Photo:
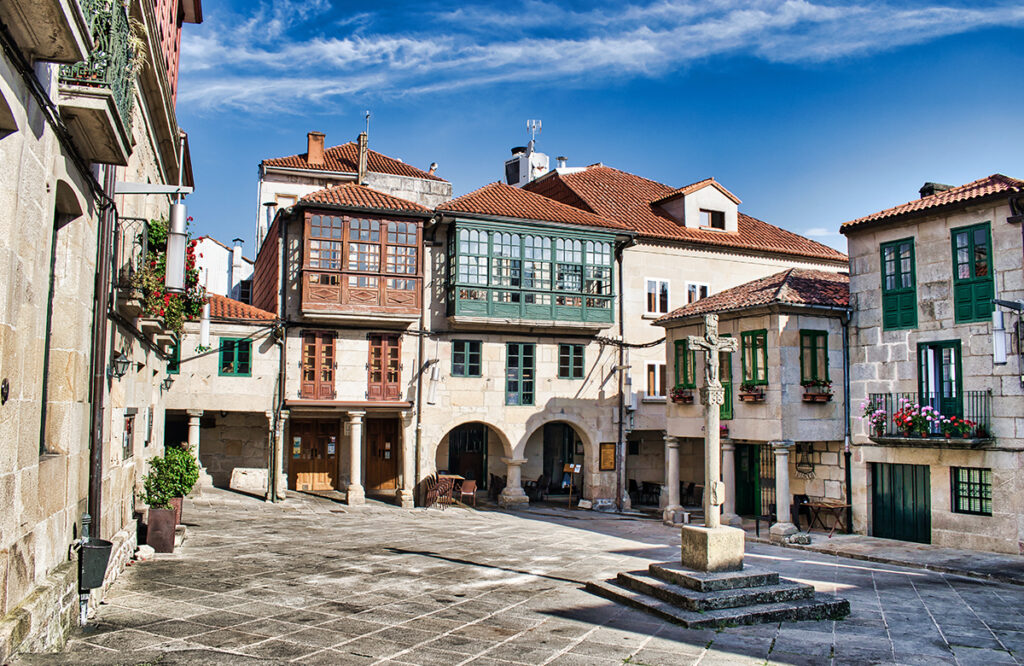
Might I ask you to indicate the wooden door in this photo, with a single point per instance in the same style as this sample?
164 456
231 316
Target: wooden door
318 365
384 371
901 502
314 452
383 443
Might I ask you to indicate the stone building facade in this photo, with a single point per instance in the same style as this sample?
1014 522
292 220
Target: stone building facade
784 391
922 279
73 438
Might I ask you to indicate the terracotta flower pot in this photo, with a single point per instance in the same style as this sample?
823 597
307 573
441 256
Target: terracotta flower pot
176 503
160 530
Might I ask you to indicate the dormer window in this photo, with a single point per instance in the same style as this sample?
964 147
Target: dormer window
712 219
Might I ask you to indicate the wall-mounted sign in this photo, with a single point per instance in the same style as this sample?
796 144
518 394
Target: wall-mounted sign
330 446
296 447
607 459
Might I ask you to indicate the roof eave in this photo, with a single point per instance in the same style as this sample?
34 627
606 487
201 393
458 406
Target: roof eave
365 209
759 308
562 225
925 212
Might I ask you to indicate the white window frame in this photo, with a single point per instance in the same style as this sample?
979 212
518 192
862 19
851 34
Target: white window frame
668 295
659 379
698 285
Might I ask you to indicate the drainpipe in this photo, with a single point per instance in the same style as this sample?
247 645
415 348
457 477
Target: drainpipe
282 234
424 296
101 303
620 446
847 455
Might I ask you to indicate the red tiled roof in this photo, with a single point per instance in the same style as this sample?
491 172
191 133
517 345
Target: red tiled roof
507 201
351 195
997 183
222 307
693 187
630 199
796 286
345 158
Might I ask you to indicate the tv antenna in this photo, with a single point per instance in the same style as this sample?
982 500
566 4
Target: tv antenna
534 128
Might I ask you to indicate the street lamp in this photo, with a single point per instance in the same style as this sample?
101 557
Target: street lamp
174 281
119 365
166 384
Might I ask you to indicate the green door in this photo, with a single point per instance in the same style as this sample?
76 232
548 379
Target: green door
901 502
748 481
939 376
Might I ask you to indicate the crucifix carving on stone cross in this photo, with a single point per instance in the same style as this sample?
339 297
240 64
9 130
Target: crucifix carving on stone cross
712 396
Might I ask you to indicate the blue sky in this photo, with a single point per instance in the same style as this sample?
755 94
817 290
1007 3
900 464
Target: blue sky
812 112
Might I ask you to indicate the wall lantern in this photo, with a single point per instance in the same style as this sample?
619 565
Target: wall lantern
166 383
119 365
174 281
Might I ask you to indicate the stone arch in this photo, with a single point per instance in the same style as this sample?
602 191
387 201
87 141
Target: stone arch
465 456
540 420
531 450
506 443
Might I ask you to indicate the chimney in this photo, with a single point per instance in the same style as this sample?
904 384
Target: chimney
563 161
433 168
236 266
928 189
315 148
361 176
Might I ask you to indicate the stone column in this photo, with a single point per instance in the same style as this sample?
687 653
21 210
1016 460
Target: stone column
205 480
513 493
729 516
782 527
355 446
281 456
407 493
672 480
271 451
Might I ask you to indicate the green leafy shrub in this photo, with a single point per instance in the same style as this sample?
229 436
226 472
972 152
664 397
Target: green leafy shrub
157 486
182 470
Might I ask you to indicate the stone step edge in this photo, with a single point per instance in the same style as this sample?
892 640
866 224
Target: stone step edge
703 582
644 583
818 608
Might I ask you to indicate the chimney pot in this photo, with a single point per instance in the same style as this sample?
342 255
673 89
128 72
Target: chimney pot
361 165
315 148
563 161
433 168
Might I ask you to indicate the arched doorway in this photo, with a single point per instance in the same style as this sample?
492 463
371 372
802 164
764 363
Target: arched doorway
473 451
548 450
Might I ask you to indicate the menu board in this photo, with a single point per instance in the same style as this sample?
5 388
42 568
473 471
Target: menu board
607 461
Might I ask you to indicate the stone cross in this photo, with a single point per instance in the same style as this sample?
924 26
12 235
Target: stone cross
712 396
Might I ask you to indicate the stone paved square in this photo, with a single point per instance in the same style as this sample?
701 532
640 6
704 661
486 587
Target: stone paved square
310 581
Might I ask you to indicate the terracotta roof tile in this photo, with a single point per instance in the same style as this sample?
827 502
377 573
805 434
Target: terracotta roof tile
507 201
345 158
796 286
997 183
222 307
630 199
693 187
350 195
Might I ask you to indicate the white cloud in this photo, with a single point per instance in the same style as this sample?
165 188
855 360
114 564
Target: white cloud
237 61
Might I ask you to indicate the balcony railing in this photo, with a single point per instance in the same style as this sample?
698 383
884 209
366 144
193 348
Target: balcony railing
335 292
110 65
531 304
131 247
893 409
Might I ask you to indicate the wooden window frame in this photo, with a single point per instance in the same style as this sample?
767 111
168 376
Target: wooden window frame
662 297
660 381
571 361
325 353
974 490
894 297
973 292
686 365
756 341
813 340
390 391
697 285
464 358
525 377
237 344
712 216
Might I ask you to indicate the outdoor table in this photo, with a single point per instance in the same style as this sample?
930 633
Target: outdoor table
836 509
449 495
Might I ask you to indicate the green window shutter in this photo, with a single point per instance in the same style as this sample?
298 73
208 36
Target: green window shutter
973 285
813 355
725 376
899 284
754 357
685 365
227 356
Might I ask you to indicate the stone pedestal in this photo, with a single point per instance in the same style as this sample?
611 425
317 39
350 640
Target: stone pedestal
712 549
783 527
513 494
729 516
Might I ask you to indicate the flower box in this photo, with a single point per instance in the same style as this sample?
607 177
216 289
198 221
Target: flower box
682 396
810 396
752 395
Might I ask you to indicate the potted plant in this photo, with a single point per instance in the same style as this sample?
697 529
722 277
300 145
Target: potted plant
681 395
916 420
817 390
751 392
182 473
955 426
157 493
873 413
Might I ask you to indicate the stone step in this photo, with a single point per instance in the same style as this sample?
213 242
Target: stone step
700 581
643 582
820 607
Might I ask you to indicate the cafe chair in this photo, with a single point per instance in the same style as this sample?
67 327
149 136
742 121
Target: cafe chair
468 489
